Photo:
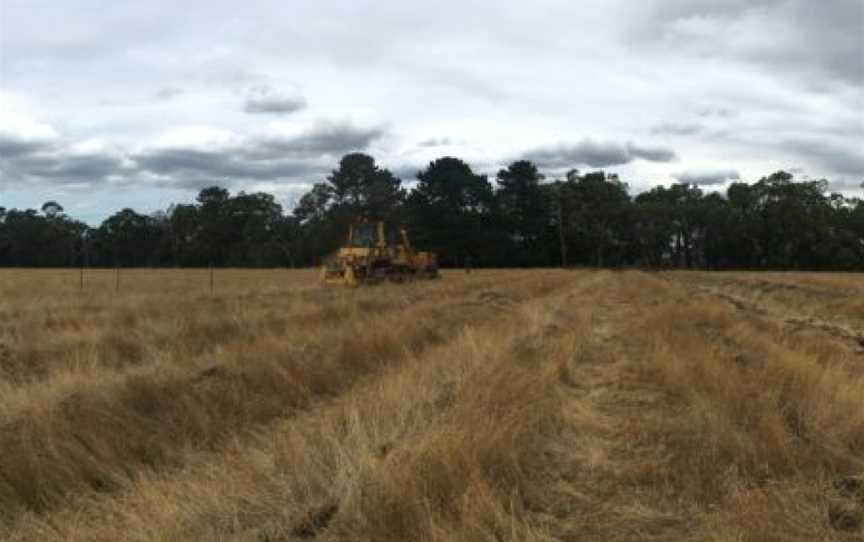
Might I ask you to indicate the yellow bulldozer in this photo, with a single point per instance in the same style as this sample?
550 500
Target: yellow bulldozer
373 254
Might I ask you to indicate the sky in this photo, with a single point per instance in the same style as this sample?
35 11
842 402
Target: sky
107 104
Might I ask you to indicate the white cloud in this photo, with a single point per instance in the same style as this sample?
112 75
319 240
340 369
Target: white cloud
196 137
20 134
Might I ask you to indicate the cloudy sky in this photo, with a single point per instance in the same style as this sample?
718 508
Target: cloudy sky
107 104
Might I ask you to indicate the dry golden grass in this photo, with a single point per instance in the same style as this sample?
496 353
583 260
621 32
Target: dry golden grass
501 405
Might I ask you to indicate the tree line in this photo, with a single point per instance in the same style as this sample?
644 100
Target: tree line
520 219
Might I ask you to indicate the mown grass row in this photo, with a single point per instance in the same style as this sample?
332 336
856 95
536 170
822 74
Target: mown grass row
103 434
106 332
444 445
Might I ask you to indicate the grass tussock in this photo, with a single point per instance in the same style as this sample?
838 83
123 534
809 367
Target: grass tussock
771 430
438 447
219 375
501 405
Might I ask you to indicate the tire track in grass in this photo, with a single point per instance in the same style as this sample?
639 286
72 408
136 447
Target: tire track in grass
676 436
836 342
603 485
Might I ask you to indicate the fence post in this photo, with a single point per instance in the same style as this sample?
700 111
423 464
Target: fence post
81 278
211 278
117 279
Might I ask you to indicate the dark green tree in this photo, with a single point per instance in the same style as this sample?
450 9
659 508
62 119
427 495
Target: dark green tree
28 239
791 220
255 231
361 189
675 213
214 229
451 211
524 212
126 239
598 211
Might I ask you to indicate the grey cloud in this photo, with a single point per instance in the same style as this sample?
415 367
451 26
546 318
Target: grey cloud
720 112
11 147
436 142
168 93
165 94
179 160
707 177
808 38
65 168
15 142
846 185
596 154
260 159
324 138
252 158
835 32
272 158
407 172
652 154
59 168
676 129
52 161
180 164
584 153
833 156
679 9
264 99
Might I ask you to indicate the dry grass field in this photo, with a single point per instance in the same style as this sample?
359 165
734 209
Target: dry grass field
501 405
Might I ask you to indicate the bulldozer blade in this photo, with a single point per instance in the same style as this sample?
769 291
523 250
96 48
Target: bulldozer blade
343 277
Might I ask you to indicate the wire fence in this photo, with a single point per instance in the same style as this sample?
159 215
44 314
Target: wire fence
211 280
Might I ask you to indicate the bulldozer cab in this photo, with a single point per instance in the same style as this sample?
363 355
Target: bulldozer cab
375 234
363 235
